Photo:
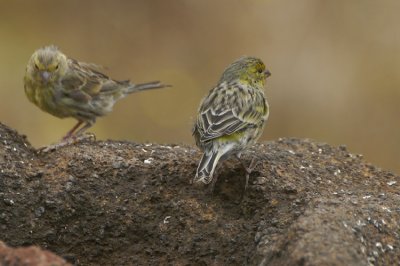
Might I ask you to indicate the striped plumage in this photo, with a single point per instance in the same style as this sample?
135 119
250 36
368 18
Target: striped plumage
232 116
65 87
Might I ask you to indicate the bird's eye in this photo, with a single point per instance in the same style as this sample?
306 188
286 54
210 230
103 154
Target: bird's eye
56 67
260 70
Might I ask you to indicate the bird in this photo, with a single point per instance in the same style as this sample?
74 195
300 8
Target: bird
65 87
231 117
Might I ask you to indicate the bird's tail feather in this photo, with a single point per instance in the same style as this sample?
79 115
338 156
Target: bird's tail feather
206 167
146 86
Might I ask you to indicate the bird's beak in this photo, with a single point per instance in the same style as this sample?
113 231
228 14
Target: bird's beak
45 75
267 73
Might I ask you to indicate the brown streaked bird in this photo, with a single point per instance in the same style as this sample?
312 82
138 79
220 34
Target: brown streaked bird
65 87
231 117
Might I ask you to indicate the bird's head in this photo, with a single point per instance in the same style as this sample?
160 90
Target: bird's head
47 64
247 70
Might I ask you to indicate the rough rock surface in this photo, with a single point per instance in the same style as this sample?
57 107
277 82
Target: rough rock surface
124 203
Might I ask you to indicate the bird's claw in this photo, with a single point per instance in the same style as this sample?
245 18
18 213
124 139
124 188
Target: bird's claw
68 141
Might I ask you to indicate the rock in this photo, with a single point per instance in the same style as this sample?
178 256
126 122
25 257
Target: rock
307 203
29 256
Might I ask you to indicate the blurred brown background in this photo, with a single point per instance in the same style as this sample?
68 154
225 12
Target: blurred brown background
335 65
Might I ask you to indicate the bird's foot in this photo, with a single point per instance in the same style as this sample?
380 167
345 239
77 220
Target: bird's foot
248 169
68 141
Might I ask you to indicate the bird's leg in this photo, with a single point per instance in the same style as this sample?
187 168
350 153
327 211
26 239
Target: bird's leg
74 136
64 141
249 169
71 132
71 137
84 128
79 136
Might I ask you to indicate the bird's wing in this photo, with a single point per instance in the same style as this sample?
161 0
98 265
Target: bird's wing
228 109
83 83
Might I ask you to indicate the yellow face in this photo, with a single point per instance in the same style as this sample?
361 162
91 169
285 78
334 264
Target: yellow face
47 65
249 70
255 71
41 66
